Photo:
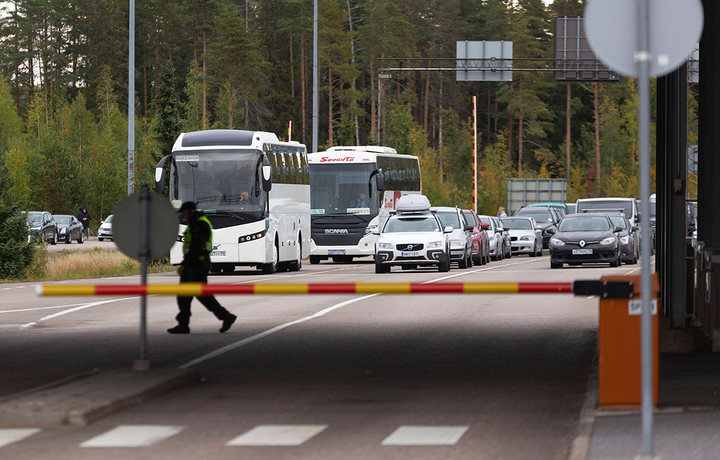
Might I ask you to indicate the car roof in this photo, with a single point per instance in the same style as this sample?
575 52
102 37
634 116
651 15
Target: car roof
606 199
444 208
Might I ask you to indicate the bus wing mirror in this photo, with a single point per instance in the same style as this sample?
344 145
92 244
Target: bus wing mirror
160 174
266 174
379 181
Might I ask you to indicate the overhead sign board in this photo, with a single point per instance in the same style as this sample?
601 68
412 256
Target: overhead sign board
484 61
574 56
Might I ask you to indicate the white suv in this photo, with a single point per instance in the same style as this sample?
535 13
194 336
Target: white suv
412 236
460 238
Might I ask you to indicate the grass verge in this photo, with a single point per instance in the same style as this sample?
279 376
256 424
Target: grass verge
97 263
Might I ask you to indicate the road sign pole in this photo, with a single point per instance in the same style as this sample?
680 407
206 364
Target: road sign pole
643 58
143 363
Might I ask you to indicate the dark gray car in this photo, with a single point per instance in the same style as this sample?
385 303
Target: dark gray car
41 227
69 228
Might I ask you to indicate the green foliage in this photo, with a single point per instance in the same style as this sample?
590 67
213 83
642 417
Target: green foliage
16 253
493 175
168 116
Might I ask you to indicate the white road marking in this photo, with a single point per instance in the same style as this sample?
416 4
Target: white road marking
259 336
425 436
277 435
72 310
133 436
480 270
11 435
44 308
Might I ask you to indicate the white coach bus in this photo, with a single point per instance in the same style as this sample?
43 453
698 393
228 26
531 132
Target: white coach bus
351 187
254 189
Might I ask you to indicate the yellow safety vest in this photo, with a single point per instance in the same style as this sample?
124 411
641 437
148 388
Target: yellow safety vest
188 237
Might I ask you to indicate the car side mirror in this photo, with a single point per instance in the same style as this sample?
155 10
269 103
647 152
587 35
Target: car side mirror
375 231
448 229
550 231
469 228
635 229
637 218
537 230
618 229
484 226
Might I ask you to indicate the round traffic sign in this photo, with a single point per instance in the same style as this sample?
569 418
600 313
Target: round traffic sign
162 221
612 30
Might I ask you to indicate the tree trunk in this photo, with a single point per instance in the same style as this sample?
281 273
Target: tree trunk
427 102
373 101
204 79
230 106
330 105
567 136
521 122
596 89
303 79
292 67
440 134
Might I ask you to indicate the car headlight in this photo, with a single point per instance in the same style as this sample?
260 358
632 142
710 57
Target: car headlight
625 239
369 229
475 235
526 238
435 244
608 240
557 242
457 244
384 245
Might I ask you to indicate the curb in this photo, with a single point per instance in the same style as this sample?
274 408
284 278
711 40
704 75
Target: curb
84 399
580 449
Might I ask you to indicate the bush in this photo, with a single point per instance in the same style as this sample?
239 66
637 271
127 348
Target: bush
16 254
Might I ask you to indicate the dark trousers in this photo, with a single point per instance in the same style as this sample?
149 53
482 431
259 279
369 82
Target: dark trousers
197 274
87 232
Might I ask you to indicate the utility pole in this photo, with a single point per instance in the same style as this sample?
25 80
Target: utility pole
315 78
131 102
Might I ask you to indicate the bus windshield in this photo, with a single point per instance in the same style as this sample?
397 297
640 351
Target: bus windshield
219 181
342 189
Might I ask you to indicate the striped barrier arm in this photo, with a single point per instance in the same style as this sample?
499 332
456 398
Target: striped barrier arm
200 289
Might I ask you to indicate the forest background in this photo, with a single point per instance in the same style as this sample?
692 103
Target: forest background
247 64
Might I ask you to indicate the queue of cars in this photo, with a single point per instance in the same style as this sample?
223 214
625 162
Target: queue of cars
417 234
49 228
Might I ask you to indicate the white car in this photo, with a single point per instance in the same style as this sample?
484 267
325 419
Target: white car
105 229
461 237
525 236
412 236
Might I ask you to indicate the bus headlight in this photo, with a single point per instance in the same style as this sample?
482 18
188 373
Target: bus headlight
609 240
385 246
369 229
435 244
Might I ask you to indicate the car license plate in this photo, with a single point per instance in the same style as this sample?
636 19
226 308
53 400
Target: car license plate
337 252
410 254
579 252
217 254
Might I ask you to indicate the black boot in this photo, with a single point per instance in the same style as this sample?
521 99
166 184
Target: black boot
227 322
180 329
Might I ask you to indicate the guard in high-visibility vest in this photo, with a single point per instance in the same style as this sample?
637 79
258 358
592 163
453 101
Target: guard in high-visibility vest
197 245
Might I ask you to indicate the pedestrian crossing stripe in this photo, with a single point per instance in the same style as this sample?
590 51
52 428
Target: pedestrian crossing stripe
425 436
278 435
133 436
11 435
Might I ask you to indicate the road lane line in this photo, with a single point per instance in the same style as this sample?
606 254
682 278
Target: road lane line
72 310
480 270
44 308
243 342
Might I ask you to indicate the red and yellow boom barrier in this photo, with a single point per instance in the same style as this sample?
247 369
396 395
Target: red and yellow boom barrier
200 289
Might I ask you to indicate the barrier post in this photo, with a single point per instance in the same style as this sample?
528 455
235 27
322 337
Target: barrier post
619 366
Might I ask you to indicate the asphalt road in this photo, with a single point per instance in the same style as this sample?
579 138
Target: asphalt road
376 376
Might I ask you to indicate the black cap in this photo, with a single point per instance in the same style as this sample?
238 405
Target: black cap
188 206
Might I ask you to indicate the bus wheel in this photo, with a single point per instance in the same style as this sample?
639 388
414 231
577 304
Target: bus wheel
314 260
272 267
297 263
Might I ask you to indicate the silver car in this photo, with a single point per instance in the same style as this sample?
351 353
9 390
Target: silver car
525 236
496 238
461 237
506 236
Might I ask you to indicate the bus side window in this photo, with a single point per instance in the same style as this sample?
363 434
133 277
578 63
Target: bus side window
292 169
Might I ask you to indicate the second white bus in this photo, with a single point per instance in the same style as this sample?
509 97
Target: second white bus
351 189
